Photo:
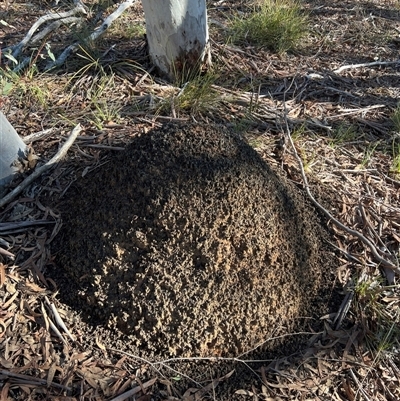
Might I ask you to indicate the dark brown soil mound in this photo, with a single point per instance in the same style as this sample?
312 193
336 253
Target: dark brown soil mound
191 245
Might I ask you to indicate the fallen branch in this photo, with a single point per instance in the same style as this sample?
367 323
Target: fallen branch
40 170
373 64
97 32
53 26
48 17
384 262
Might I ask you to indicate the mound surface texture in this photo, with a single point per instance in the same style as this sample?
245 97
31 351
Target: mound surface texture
191 245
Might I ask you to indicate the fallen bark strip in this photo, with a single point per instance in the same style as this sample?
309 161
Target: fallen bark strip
384 262
54 160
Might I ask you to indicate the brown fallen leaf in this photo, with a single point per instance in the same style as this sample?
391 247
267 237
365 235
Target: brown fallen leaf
194 394
6 363
34 287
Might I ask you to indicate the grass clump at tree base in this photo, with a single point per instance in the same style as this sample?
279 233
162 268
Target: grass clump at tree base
277 25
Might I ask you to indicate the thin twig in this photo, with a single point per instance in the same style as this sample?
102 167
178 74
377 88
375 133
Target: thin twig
152 364
344 308
391 180
60 154
99 146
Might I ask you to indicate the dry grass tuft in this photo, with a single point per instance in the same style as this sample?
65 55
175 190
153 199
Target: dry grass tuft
276 25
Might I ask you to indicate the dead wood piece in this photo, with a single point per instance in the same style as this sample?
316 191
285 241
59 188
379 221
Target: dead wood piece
48 17
93 36
60 154
36 136
51 325
53 26
344 308
373 64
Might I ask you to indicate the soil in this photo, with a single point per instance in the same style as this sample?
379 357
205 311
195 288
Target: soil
188 244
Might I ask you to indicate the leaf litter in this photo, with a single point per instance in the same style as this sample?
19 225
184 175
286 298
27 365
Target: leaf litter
39 359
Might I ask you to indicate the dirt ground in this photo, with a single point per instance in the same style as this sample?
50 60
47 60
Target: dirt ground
187 244
176 243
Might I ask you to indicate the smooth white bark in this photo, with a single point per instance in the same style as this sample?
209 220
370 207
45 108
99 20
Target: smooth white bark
11 149
177 35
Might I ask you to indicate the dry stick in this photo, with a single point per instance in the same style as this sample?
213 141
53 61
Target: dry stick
53 26
59 155
97 32
37 135
35 380
48 17
51 325
391 180
352 66
366 241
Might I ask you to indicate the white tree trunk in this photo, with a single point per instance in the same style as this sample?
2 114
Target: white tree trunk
177 35
11 149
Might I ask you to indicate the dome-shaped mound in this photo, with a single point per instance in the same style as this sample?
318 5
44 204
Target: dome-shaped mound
191 245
